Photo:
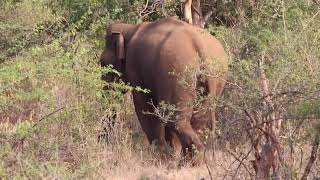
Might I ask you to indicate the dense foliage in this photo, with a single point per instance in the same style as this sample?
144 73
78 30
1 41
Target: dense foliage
51 101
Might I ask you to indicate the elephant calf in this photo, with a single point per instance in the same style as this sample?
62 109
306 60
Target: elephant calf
178 63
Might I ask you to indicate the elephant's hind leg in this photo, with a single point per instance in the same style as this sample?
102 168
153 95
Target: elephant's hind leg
173 140
151 125
190 141
162 140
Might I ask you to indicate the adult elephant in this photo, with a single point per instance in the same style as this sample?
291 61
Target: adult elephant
177 62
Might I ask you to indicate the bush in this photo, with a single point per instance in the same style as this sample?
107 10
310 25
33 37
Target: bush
52 108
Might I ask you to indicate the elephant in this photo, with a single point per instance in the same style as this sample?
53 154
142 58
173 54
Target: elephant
176 62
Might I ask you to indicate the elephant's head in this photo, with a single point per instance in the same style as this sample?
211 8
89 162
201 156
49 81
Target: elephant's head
114 54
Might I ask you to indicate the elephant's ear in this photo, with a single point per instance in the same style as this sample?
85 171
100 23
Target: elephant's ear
119 45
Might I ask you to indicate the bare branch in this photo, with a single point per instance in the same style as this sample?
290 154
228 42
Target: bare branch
207 166
149 9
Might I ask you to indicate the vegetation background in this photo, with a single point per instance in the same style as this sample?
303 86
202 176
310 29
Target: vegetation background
52 108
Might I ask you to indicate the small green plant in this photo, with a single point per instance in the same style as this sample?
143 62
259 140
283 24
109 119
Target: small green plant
164 111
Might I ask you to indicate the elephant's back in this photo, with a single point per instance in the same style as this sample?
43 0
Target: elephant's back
166 47
186 42
164 43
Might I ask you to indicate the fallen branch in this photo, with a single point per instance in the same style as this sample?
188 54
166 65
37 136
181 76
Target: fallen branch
313 156
48 115
37 122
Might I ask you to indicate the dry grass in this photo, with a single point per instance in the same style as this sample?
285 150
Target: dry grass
65 146
127 163
66 149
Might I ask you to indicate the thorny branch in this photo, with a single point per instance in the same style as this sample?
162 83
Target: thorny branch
224 80
241 162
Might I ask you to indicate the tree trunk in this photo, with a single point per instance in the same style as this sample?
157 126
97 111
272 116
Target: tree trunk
268 149
188 11
197 13
193 13
264 161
